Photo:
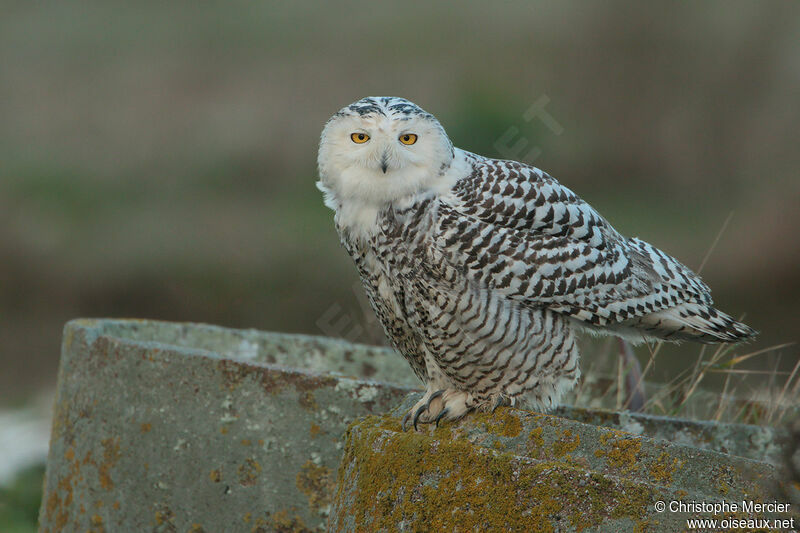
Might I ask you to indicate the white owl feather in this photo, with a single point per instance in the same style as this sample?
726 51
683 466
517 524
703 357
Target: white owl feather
481 270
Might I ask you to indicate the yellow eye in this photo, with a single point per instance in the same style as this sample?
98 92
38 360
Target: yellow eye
408 138
359 138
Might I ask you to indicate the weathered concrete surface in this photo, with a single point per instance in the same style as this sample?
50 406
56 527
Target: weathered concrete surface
158 428
521 471
186 427
761 443
314 354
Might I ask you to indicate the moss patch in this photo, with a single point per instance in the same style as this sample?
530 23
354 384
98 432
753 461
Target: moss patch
535 440
568 442
620 453
662 469
316 482
503 422
280 522
249 471
389 478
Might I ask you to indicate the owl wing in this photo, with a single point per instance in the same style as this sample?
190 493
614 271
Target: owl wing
513 228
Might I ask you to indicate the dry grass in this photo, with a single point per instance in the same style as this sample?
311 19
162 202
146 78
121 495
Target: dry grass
745 394
764 397
772 397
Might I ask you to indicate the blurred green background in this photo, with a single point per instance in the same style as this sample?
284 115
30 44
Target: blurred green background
158 159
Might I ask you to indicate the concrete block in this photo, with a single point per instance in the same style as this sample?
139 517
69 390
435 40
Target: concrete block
760 443
187 427
519 471
181 427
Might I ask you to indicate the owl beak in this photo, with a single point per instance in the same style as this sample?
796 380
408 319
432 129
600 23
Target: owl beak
385 162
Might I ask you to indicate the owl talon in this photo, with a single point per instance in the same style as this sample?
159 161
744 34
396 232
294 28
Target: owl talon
496 405
499 402
450 404
419 412
406 418
433 397
441 415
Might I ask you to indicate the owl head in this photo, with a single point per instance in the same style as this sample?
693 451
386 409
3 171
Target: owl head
379 150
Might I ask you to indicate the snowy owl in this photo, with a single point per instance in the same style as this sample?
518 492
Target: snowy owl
481 271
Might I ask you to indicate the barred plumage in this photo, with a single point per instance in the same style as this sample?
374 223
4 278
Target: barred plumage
481 270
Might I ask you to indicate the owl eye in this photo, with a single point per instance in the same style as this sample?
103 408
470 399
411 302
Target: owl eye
359 138
408 138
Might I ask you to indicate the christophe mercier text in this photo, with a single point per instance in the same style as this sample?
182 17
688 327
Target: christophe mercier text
723 507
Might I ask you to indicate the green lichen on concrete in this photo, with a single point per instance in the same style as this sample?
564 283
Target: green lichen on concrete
280 522
662 469
59 503
389 478
503 422
308 401
111 455
753 442
316 482
248 472
388 423
535 440
621 453
567 443
722 481
273 380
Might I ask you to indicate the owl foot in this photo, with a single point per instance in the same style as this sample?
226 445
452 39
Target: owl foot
501 400
438 405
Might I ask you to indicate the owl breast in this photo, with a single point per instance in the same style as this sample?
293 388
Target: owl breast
453 331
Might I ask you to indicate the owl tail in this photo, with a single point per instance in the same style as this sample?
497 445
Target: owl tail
695 322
